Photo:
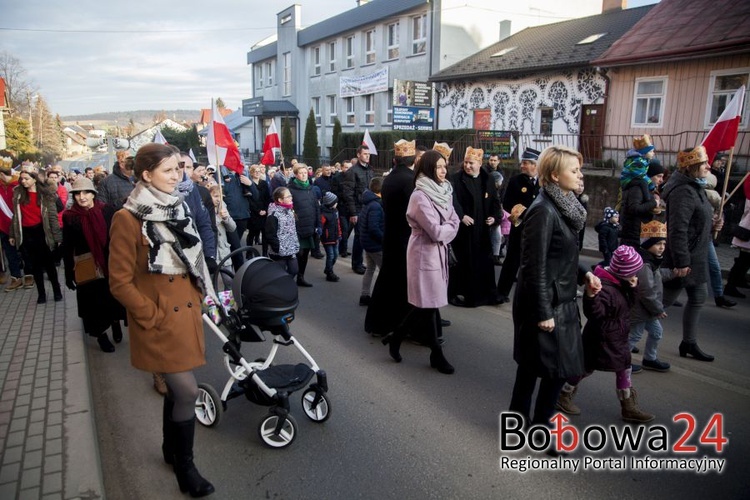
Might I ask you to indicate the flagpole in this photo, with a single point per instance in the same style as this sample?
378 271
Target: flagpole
724 189
216 159
738 186
281 150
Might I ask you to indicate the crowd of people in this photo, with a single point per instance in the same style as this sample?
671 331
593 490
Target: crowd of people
141 245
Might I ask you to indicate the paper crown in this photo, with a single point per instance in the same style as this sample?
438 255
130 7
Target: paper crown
653 229
6 163
691 157
643 144
443 149
405 148
476 155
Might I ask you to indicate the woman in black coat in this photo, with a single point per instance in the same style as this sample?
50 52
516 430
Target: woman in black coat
258 197
547 328
689 226
307 210
86 234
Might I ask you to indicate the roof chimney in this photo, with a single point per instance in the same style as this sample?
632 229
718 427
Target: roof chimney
504 29
614 5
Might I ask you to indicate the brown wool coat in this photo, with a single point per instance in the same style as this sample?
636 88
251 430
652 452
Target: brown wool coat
164 311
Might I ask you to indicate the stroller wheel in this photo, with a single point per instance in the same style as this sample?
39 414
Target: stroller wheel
208 407
317 408
267 431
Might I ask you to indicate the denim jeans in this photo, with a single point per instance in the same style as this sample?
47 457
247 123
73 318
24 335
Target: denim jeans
496 239
13 255
655 332
332 253
714 273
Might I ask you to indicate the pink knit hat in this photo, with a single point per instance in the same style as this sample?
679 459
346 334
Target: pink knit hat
625 262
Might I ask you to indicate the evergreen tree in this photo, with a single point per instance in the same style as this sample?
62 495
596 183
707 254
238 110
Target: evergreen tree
18 136
310 149
336 140
287 142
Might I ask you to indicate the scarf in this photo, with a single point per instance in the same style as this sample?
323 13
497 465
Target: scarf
635 167
440 194
288 206
174 242
303 185
569 206
184 187
94 231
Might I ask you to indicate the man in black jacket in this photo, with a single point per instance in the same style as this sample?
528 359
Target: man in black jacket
522 189
355 181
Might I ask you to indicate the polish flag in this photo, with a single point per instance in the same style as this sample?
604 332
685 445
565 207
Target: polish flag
367 141
220 144
159 138
723 134
271 145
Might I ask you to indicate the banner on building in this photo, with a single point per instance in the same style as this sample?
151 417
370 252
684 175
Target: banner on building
413 118
409 93
351 86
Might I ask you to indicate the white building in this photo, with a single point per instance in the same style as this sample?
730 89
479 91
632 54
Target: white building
345 67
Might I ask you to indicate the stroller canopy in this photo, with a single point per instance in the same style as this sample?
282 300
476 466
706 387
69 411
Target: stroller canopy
260 284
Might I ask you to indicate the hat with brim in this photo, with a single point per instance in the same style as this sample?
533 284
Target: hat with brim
82 184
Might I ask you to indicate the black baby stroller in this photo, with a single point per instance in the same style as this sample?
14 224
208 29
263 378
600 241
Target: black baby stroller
263 299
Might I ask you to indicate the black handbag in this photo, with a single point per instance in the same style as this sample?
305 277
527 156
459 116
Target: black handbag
741 233
452 260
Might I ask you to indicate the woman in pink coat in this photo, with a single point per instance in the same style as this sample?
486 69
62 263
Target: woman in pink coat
434 224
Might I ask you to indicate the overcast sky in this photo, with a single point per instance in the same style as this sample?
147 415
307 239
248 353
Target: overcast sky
91 56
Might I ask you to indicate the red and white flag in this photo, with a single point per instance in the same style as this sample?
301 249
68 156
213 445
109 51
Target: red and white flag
367 141
220 144
271 145
159 137
723 134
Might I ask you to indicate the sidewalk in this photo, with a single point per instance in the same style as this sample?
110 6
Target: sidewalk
48 446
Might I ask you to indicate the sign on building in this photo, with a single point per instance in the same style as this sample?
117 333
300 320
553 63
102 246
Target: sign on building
350 86
497 142
412 105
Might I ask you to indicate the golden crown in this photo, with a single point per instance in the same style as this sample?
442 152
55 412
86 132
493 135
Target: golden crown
476 155
405 148
695 156
642 142
443 149
653 229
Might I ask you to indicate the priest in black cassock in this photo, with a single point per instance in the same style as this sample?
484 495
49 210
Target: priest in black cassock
472 280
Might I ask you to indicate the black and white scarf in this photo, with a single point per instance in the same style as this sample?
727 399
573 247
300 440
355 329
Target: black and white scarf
175 246
568 204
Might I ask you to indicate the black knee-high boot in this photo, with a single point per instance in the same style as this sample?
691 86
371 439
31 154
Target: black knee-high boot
302 257
188 477
167 446
437 358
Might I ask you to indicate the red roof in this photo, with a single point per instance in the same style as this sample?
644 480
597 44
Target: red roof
206 114
682 29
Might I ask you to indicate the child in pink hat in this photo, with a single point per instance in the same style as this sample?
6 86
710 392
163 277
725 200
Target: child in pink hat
605 336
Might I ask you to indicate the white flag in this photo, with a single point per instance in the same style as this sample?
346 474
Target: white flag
367 141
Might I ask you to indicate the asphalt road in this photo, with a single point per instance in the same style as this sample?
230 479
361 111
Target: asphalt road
406 431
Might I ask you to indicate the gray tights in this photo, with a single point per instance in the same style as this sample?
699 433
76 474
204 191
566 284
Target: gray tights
696 296
182 391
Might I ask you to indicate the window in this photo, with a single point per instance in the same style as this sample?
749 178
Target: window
331 102
287 58
349 110
370 109
545 121
389 108
648 108
316 109
350 52
332 56
721 89
269 74
370 47
419 34
316 60
259 76
391 40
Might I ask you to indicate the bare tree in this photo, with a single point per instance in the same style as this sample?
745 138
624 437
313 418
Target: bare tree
20 88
